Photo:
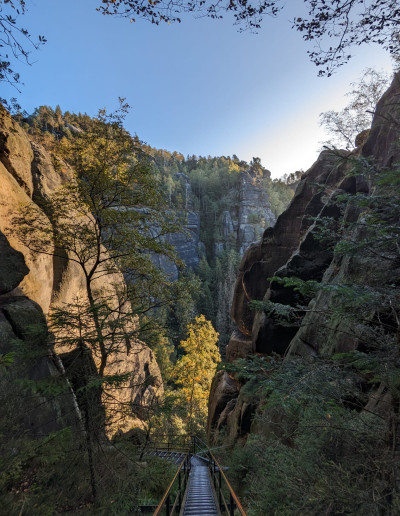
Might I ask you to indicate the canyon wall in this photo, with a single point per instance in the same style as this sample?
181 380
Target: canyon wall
292 248
33 284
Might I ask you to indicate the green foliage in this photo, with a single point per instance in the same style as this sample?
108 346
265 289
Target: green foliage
279 194
43 463
344 126
6 360
306 288
325 421
254 218
194 372
313 437
284 313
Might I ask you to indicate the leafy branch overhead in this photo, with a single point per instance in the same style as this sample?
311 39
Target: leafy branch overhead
247 14
334 27
16 43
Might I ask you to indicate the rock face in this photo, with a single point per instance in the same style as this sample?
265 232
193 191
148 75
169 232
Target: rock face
16 152
186 243
235 228
13 268
254 211
246 222
290 248
32 284
22 322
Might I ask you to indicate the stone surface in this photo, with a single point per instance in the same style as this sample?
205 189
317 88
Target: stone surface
22 321
26 318
264 258
223 390
254 210
34 283
46 180
37 284
13 268
291 249
186 243
239 346
15 151
245 222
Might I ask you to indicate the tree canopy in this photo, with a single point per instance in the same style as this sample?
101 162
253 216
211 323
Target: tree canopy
337 26
16 43
344 126
194 371
334 27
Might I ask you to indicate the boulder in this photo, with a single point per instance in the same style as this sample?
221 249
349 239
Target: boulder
223 389
239 346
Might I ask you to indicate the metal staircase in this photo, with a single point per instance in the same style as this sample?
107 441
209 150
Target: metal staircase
199 487
199 500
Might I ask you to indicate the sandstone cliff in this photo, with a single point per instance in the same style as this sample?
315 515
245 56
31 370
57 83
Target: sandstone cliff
187 243
33 284
291 248
245 222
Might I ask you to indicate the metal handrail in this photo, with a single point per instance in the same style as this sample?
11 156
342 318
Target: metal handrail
233 499
172 442
217 476
165 501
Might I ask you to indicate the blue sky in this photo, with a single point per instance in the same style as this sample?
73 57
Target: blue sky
199 87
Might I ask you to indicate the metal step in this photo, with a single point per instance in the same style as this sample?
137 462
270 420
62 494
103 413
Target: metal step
175 457
200 496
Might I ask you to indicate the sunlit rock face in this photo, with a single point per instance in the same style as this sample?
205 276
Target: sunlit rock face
246 221
236 228
290 248
186 243
254 211
32 283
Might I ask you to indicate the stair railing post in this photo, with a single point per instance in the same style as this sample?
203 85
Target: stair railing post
167 507
180 491
220 488
214 475
232 505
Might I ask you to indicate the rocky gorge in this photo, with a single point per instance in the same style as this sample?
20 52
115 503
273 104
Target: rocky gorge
329 191
235 228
